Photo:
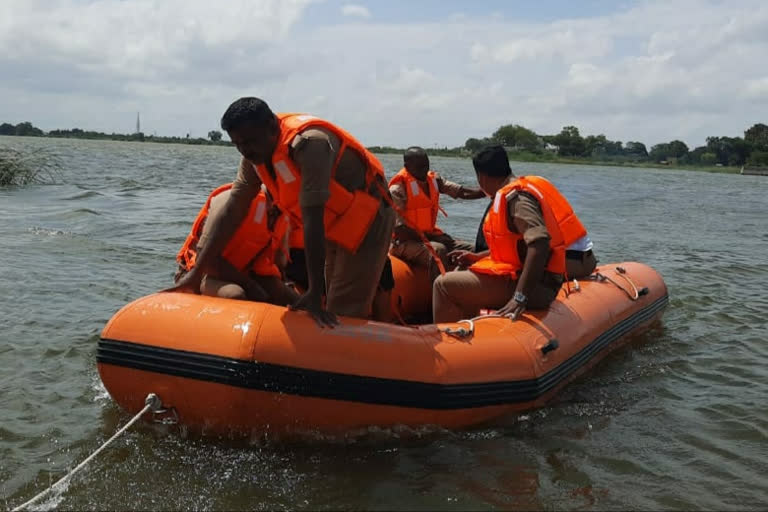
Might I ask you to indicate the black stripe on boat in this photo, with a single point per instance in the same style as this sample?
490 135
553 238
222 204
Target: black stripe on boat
355 388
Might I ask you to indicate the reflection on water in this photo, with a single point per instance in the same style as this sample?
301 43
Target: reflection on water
677 420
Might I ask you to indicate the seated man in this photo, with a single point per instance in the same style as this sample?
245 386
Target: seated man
527 229
247 268
580 261
416 194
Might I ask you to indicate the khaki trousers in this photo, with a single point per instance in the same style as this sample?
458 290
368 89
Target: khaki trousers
352 279
462 294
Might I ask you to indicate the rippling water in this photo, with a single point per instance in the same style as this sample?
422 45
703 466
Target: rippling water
678 420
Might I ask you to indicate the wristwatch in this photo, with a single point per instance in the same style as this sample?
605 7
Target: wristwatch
520 298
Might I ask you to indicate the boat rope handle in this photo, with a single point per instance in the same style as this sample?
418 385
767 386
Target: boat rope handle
622 272
462 332
152 402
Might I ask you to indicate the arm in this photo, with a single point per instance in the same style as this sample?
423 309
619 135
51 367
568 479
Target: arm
314 246
471 193
457 191
533 266
222 227
314 156
281 255
526 217
464 258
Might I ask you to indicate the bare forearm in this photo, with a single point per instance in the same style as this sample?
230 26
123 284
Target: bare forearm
221 231
533 267
314 245
471 193
281 255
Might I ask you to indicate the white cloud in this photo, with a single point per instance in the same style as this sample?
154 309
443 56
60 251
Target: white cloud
355 11
653 72
758 88
567 45
478 52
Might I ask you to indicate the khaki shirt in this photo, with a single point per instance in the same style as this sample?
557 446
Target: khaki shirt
314 151
524 217
400 194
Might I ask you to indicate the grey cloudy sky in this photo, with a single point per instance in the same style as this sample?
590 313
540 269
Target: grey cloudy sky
394 73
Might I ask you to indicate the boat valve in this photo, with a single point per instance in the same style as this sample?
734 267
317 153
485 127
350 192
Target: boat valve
550 346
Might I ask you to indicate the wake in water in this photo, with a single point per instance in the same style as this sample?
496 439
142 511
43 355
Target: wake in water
41 231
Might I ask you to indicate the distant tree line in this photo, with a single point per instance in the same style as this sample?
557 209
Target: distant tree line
520 141
727 151
27 129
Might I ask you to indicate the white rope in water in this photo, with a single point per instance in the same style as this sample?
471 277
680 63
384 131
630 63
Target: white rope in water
152 402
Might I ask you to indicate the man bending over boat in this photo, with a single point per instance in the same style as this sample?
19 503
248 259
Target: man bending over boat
324 178
416 194
296 272
248 266
527 228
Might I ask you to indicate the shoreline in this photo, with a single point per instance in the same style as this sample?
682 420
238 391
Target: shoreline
445 153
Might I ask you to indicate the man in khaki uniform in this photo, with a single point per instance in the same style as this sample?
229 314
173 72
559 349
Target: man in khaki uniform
351 278
580 260
462 294
407 244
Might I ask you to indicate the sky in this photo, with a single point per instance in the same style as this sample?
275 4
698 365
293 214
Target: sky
423 72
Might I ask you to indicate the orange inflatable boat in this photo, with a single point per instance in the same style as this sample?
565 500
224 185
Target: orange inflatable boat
224 366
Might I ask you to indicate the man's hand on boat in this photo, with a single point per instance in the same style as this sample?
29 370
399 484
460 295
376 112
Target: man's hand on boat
312 303
465 258
512 310
188 283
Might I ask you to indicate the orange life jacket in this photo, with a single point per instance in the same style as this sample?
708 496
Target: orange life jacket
562 224
251 248
348 215
420 211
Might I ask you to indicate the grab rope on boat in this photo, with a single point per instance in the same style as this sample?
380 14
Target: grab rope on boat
153 403
463 332
622 273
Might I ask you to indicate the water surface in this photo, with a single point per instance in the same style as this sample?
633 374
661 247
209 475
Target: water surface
677 420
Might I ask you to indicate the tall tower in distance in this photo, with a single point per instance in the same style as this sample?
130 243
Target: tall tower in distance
138 124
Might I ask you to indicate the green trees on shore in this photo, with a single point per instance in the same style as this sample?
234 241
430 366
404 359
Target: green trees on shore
27 129
22 129
569 143
522 143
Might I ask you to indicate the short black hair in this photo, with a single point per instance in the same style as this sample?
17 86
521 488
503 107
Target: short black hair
247 110
492 161
414 152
